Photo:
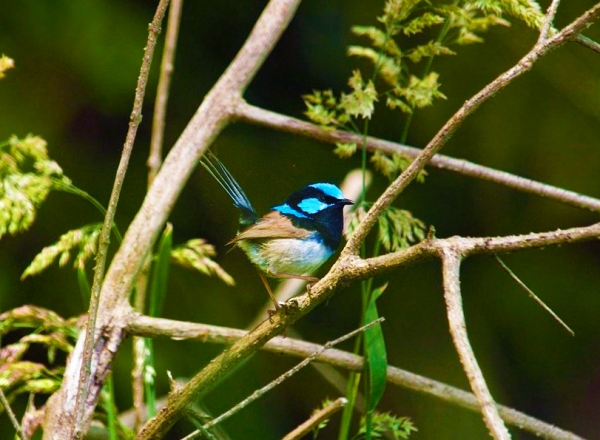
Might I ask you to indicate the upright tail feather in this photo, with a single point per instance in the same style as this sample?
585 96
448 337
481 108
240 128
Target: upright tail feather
215 168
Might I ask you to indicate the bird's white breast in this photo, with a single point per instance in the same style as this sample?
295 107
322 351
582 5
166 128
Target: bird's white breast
290 256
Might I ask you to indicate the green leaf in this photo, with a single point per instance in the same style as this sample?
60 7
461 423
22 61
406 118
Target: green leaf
388 68
528 11
160 272
395 12
322 108
26 177
393 103
375 351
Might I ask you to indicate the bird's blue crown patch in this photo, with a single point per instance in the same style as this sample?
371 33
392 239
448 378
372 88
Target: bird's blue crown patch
329 189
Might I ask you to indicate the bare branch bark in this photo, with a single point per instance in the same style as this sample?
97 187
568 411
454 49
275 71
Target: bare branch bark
258 116
451 258
162 91
178 330
316 419
154 163
357 268
285 376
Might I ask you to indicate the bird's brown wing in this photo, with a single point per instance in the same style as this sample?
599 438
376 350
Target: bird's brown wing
272 225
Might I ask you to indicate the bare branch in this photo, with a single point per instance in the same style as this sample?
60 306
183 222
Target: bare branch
572 31
533 296
279 380
162 91
266 118
547 30
154 162
431 248
588 42
179 330
314 420
11 415
458 329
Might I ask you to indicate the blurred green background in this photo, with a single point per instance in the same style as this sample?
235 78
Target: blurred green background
76 68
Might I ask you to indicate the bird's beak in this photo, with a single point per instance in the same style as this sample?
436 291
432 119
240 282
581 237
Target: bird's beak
346 202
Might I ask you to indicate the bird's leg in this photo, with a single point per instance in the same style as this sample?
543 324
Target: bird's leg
269 291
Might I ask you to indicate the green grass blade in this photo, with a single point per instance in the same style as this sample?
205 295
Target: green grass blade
111 410
375 352
84 286
347 412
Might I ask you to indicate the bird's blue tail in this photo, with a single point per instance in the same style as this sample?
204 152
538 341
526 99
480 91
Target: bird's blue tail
216 169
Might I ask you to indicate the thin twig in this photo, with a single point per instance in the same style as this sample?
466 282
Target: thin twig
277 121
315 419
547 29
154 162
588 42
204 333
162 91
532 295
11 414
458 329
137 377
85 373
278 381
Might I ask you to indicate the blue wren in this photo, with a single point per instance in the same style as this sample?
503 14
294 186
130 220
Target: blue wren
295 238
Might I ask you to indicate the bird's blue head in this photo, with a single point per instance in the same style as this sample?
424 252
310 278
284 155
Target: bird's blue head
318 207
